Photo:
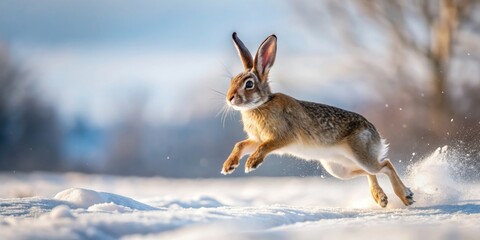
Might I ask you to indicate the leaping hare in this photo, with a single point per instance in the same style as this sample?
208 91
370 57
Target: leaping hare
344 142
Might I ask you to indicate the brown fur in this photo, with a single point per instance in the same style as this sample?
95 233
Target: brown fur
277 123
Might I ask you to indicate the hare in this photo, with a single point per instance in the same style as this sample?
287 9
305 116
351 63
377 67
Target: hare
346 144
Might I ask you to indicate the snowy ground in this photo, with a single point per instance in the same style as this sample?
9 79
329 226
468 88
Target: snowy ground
78 206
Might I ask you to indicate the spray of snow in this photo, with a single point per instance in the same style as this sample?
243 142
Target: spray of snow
436 179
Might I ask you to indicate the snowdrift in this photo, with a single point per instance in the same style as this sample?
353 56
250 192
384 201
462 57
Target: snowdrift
85 198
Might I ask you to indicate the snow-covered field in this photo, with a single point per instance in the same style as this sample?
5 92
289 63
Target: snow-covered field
79 206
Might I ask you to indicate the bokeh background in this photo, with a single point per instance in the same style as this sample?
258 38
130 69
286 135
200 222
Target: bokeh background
132 87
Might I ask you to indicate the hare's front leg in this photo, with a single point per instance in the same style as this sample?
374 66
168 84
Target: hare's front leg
241 149
256 159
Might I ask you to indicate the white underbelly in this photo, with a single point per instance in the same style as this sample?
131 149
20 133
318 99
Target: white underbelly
338 154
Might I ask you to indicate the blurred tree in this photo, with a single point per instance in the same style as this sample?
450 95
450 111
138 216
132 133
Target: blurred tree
428 50
127 148
29 130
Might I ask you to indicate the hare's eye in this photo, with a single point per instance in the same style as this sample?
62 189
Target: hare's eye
249 84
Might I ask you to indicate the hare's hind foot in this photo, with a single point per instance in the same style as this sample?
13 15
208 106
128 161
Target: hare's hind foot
408 198
380 197
377 192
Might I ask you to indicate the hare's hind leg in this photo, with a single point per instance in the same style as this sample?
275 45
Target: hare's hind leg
340 171
367 154
372 166
404 193
377 192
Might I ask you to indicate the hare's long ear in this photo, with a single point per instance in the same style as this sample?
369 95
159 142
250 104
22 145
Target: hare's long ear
243 52
265 57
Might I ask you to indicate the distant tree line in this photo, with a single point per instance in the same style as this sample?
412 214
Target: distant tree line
30 134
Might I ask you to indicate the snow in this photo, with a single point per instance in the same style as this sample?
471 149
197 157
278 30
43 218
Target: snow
85 198
79 206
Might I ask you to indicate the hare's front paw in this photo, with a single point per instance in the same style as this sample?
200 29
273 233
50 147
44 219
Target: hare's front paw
229 166
252 164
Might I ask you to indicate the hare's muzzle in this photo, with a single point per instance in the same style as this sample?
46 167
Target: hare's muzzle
231 98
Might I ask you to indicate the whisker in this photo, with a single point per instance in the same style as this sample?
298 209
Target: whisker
219 105
220 111
224 116
217 98
226 110
231 112
228 73
218 92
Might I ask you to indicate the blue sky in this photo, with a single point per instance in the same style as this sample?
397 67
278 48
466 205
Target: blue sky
96 58
184 25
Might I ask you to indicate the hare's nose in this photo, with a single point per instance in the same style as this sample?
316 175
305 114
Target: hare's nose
231 98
